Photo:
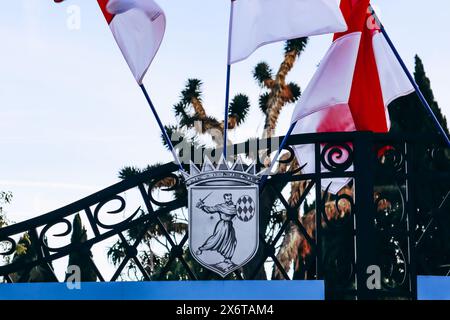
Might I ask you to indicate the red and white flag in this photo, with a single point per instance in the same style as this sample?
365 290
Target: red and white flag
138 27
255 23
353 86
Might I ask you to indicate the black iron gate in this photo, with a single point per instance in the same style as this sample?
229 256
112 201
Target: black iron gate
393 217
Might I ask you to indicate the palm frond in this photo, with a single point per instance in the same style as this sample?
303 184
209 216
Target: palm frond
180 109
131 171
188 122
128 172
296 45
191 91
295 91
176 135
262 72
239 107
263 101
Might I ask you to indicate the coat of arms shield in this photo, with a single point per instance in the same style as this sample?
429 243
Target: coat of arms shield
223 216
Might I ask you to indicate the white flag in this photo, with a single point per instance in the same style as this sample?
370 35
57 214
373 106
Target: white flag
138 27
255 23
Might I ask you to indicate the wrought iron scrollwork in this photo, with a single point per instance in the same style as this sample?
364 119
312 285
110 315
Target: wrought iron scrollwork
173 179
339 259
391 215
337 157
43 236
393 264
390 208
121 208
5 243
291 157
391 158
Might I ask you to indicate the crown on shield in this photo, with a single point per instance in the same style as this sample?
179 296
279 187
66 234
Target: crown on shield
222 170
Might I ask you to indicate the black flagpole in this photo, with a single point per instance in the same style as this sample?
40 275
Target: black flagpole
161 127
280 148
419 93
227 88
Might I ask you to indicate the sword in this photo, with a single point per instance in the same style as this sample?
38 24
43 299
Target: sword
203 200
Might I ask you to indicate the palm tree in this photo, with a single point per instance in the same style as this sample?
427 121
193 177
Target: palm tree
279 93
192 114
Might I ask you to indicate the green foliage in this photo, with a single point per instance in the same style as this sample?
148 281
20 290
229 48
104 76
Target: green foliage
132 171
193 120
5 197
407 113
23 245
296 92
296 45
262 72
277 92
191 91
26 252
263 102
425 85
239 108
182 109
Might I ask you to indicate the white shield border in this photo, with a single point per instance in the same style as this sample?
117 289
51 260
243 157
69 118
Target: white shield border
190 203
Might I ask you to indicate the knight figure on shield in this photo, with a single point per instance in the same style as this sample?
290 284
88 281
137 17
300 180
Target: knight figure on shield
223 240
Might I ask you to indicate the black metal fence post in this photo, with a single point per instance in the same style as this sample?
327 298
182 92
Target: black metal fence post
364 166
411 219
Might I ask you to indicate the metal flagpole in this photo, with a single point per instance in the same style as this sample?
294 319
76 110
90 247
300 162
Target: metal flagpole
424 102
227 89
280 148
161 127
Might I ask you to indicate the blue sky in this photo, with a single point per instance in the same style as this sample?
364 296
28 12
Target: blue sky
71 114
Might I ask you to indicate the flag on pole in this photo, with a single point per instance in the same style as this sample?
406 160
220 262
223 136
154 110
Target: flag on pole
255 23
138 27
353 86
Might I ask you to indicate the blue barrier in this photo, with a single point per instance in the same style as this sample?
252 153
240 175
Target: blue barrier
167 290
433 288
